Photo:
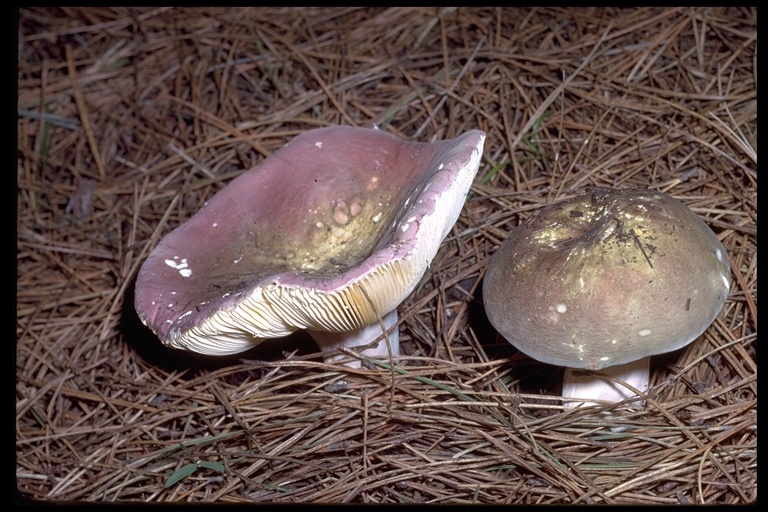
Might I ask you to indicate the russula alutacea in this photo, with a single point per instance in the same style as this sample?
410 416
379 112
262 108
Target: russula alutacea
329 234
603 281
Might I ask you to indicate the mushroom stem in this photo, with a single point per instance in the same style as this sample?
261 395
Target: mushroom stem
365 338
588 387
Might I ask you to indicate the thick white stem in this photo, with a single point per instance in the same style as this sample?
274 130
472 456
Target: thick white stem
331 342
588 388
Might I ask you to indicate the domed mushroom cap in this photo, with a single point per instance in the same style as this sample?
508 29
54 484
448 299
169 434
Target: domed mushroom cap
330 233
606 278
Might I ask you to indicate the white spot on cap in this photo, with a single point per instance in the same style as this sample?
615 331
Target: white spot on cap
725 281
604 358
404 227
644 332
182 267
215 224
318 144
412 219
561 308
238 260
377 217
440 166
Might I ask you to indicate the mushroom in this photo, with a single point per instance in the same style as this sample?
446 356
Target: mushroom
603 281
329 234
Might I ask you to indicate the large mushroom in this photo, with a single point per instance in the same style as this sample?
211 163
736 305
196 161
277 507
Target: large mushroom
603 281
329 234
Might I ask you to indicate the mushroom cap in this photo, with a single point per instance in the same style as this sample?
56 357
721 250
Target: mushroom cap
329 233
606 278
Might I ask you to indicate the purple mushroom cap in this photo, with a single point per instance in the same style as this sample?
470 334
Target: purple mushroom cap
330 233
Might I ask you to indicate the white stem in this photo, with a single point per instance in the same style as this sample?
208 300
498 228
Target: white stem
331 342
587 388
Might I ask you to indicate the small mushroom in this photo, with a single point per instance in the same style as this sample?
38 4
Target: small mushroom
603 281
329 234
